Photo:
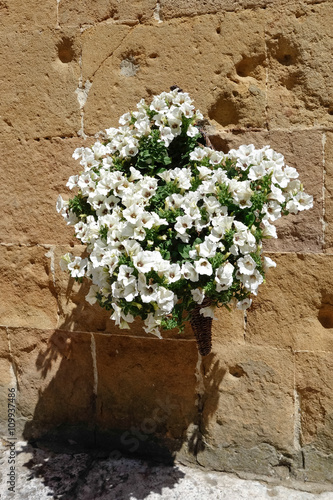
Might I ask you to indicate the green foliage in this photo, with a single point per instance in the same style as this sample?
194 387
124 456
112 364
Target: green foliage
80 206
152 155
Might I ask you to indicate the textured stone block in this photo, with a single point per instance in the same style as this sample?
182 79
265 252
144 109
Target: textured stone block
146 384
92 11
318 466
27 290
247 405
24 16
300 90
225 74
294 309
55 378
328 215
184 8
40 75
228 328
302 149
7 380
314 386
36 173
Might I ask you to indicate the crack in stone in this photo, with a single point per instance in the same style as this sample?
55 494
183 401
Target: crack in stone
323 141
112 53
94 361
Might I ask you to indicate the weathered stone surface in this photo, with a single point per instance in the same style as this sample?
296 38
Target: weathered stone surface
23 16
145 387
294 309
261 72
318 466
7 380
225 77
304 151
314 386
38 96
248 405
183 8
300 91
55 379
36 173
26 290
328 214
86 12
228 328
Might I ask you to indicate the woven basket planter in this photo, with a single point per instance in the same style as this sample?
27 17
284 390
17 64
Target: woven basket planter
202 328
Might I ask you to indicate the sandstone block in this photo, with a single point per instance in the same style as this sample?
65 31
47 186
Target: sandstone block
7 380
184 8
222 72
228 328
300 91
145 387
55 378
27 290
90 12
304 151
294 309
314 387
328 216
36 173
247 405
318 466
41 73
24 16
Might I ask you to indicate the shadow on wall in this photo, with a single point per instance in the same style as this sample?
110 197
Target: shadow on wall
126 396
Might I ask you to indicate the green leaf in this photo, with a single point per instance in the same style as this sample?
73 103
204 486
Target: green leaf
184 250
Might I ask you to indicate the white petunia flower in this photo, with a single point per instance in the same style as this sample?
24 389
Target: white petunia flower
125 275
152 324
207 248
244 304
224 276
203 266
183 223
173 273
269 231
72 181
189 272
192 131
91 295
120 318
77 267
198 295
246 265
267 263
65 260
208 312
198 154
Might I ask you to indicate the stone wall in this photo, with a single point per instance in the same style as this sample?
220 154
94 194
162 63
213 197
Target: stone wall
261 71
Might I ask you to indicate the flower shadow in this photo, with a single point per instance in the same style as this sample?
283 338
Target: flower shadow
103 398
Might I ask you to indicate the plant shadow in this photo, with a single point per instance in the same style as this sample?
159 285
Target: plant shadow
105 403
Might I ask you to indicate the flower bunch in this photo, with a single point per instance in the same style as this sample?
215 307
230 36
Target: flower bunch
168 221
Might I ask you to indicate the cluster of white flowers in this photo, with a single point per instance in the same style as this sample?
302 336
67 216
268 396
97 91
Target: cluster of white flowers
168 222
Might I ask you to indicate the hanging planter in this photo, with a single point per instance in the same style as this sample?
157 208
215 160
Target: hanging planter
173 228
